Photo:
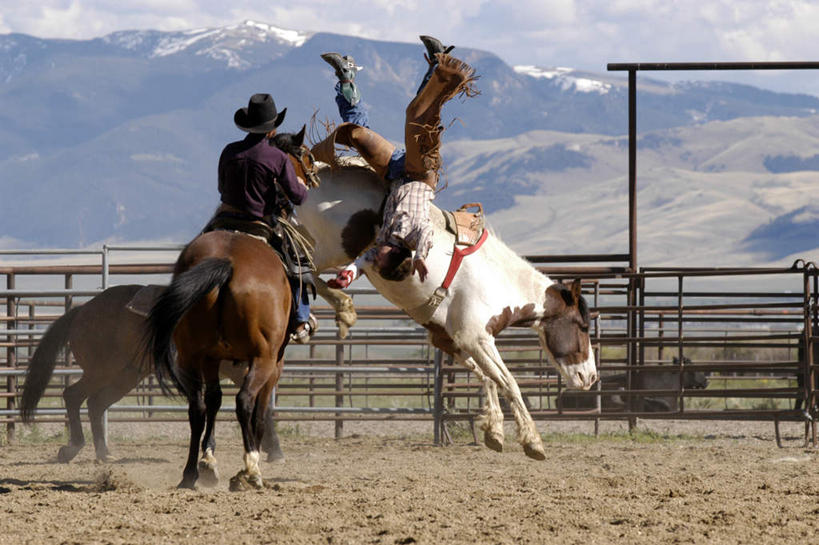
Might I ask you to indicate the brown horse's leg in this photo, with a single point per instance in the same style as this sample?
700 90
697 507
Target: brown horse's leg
99 402
261 409
73 396
250 416
196 419
208 474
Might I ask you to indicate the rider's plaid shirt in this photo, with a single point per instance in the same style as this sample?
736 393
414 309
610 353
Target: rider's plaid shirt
406 217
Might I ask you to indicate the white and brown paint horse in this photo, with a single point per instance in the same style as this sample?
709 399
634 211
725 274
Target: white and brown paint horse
494 289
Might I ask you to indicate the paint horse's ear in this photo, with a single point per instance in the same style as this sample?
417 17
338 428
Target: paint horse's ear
298 139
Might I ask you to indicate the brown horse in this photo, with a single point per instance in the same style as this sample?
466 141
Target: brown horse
105 338
229 300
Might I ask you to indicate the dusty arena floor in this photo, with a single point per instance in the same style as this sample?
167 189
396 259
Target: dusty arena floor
716 483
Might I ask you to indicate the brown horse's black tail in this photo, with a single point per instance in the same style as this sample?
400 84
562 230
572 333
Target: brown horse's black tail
41 365
183 293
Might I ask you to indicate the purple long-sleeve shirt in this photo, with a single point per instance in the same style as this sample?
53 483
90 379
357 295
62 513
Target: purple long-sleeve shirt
248 173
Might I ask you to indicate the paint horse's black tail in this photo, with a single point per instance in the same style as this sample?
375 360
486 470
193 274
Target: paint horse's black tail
42 363
183 293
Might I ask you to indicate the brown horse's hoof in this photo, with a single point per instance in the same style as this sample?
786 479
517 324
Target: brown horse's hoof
534 451
493 440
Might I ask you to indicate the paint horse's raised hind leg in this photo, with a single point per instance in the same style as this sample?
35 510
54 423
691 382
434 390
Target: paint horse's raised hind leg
486 354
491 419
341 303
208 473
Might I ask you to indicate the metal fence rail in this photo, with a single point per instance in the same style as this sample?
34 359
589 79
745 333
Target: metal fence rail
755 346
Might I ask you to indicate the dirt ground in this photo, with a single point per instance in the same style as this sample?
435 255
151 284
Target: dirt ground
670 483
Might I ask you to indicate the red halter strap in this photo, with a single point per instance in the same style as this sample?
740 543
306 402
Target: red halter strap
458 255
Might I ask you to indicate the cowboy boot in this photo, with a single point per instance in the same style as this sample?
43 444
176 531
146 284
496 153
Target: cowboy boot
422 132
433 46
346 69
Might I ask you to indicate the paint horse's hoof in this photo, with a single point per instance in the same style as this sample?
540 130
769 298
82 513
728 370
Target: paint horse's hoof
493 440
534 450
208 474
242 482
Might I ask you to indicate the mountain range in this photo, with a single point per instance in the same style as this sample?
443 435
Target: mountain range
117 138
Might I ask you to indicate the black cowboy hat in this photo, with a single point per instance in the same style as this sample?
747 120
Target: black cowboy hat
260 115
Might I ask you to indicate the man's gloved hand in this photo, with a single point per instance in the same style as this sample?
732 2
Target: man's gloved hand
342 280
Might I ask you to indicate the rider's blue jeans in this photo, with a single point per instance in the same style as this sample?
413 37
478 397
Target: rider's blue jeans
357 113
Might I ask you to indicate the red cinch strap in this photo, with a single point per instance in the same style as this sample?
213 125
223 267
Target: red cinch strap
458 255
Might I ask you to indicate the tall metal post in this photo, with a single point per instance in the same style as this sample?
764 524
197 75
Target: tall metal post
632 168
632 232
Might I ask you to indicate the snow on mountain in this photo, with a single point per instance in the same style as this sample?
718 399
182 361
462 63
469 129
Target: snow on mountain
565 79
225 44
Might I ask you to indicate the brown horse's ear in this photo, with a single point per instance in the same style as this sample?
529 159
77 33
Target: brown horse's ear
298 140
576 288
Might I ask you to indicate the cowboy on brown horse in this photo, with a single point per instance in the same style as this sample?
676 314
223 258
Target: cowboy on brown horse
257 185
413 173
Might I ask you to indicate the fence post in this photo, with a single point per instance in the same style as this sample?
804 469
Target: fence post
808 389
680 355
812 347
438 401
69 300
11 356
339 386
105 287
631 346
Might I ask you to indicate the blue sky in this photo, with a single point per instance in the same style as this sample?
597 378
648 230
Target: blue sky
583 34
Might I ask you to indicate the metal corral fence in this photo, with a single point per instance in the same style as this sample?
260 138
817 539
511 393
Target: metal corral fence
748 331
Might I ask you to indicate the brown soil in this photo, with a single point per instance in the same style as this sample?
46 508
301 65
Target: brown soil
732 486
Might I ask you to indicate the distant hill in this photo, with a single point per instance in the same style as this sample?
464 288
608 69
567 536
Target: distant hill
117 138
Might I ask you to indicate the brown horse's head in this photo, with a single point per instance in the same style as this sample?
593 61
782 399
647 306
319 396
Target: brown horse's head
303 161
564 335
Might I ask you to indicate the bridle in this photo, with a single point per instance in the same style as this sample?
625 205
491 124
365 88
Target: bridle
305 165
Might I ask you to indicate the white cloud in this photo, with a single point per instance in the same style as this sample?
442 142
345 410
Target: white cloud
586 34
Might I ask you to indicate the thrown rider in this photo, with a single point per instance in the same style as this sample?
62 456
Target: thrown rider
412 172
257 185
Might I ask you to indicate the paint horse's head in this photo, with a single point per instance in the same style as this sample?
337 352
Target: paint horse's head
564 335
303 161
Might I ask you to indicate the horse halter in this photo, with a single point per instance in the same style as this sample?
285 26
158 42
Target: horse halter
304 162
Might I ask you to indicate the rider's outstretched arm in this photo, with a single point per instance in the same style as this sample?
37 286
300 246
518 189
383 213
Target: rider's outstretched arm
352 271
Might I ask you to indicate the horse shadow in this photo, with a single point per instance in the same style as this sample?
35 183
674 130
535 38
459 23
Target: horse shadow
53 485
